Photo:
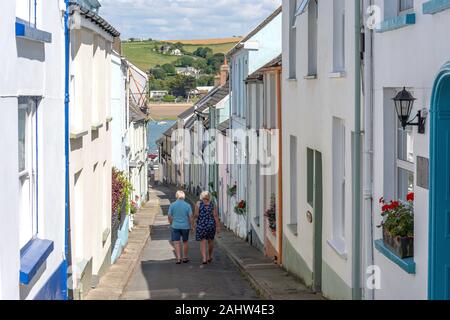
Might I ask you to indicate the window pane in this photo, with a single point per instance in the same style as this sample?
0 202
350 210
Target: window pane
22 139
310 177
406 5
405 144
405 183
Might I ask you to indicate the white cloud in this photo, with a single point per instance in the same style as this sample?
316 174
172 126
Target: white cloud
186 19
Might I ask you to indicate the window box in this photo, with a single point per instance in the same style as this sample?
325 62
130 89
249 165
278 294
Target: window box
435 6
401 21
407 264
403 247
27 31
32 257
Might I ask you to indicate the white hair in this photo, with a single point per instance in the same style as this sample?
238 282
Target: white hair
180 195
205 195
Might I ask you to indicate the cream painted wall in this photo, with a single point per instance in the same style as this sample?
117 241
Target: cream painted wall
308 115
90 156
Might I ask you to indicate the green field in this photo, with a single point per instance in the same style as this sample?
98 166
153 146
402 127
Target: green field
142 55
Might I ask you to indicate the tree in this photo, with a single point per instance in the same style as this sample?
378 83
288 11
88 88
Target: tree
185 62
169 69
216 61
203 52
181 85
158 72
206 80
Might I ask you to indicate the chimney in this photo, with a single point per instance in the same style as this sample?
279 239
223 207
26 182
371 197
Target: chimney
224 70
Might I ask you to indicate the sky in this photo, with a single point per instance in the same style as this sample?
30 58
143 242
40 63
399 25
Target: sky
185 19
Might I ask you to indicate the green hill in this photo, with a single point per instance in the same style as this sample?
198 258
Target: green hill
142 54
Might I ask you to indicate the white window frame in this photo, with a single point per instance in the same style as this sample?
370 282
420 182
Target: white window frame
28 176
401 163
339 21
339 185
407 9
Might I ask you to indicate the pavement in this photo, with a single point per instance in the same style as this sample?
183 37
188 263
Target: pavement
147 269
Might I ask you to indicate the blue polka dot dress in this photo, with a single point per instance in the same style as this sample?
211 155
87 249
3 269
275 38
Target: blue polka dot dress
206 224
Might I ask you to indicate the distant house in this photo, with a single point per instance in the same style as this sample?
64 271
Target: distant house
158 94
164 49
188 71
176 52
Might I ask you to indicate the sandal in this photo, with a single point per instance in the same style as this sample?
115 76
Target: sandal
210 260
186 260
178 261
205 262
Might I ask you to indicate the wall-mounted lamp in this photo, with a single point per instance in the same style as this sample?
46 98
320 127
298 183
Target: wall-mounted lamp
404 102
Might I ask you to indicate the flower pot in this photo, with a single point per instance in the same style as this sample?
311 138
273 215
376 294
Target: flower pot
403 247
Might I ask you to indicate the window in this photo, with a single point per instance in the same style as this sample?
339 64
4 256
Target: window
313 15
27 143
393 9
405 161
292 39
405 5
339 180
310 177
293 177
26 11
338 35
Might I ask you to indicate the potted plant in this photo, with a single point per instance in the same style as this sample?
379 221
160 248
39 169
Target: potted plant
232 190
398 226
241 208
271 214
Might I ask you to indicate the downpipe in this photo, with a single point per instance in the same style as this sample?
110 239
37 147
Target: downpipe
368 151
66 148
356 245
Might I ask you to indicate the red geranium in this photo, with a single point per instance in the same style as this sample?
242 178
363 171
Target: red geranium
410 197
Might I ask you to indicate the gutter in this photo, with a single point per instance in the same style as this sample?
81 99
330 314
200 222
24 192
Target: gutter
66 149
368 150
356 225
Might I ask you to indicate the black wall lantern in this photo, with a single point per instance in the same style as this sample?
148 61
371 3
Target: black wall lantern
404 102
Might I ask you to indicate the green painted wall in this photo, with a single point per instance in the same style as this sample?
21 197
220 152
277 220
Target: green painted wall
294 263
333 286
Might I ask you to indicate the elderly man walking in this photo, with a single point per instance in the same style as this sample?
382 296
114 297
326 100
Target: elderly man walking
181 221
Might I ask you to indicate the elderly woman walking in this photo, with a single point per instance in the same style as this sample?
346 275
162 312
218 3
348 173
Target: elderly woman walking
207 225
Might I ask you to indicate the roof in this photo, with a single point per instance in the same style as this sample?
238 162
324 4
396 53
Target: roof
269 19
94 17
169 131
224 125
258 74
136 114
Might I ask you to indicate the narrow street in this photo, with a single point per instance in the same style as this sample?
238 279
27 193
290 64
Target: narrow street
158 277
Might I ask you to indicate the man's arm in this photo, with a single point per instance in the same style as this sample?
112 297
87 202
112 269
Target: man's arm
169 215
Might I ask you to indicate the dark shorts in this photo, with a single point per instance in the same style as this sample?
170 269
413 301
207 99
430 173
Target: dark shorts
178 234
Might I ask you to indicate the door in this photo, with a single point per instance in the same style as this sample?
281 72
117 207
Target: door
439 241
318 207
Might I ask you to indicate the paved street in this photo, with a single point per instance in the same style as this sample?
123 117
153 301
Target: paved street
158 277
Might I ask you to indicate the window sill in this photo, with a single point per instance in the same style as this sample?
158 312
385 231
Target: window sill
109 119
291 79
337 74
105 235
293 228
339 247
32 257
435 6
26 31
407 264
310 77
401 21
78 134
96 126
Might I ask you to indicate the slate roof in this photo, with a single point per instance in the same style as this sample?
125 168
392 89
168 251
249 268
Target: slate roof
269 19
224 126
94 17
258 74
136 114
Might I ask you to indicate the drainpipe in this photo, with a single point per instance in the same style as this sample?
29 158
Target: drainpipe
368 150
66 147
356 247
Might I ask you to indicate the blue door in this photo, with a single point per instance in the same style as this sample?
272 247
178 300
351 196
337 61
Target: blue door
439 233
